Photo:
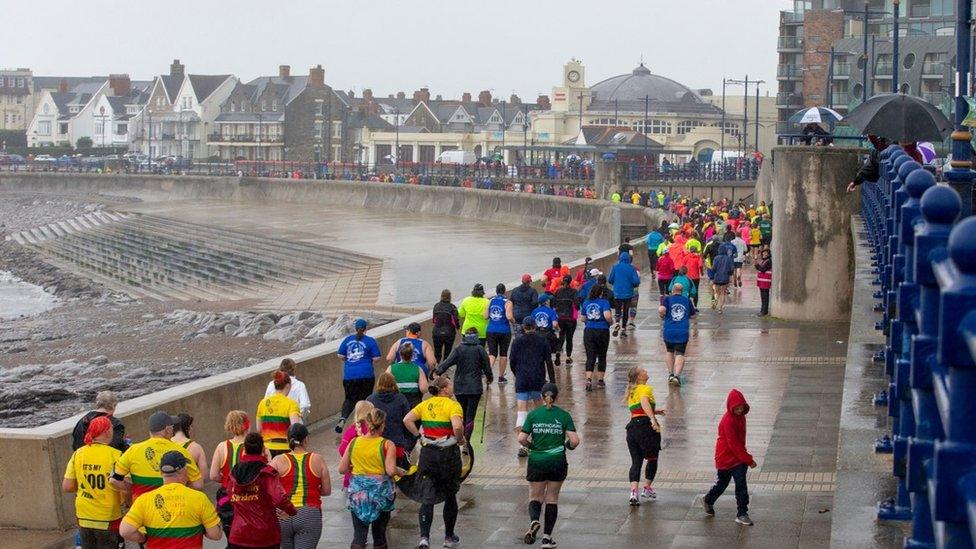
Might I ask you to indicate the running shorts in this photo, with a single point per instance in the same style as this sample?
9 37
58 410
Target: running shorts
710 273
766 240
676 348
641 434
738 264
529 395
498 343
551 473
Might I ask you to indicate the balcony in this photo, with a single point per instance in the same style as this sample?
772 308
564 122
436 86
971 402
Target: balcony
788 43
791 18
840 100
934 70
883 69
787 100
245 139
789 72
842 70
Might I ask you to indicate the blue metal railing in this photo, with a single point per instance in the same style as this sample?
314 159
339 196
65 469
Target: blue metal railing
925 261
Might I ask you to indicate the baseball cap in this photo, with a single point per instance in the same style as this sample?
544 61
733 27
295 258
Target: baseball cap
161 420
544 298
413 328
528 321
172 462
595 272
360 324
526 278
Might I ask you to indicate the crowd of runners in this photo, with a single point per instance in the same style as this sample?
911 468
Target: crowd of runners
407 430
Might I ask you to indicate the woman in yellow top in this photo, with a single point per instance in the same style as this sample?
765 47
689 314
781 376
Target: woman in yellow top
225 457
643 433
276 413
98 506
181 436
755 239
439 469
371 459
472 311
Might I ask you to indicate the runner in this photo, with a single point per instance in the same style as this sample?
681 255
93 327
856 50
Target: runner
524 300
359 352
439 468
410 379
741 249
359 427
472 310
181 436
565 302
643 433
298 392
258 499
423 352
141 462
722 270
388 398
625 280
305 478
596 334
765 230
531 362
105 403
173 515
665 272
546 321
653 240
446 323
547 432
681 279
471 364
755 239
732 460
499 330
275 414
226 455
98 506
764 280
694 266
552 273
676 312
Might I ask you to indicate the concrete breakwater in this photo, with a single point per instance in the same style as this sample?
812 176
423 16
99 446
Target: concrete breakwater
599 221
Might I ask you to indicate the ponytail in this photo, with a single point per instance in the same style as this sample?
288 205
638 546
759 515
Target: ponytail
375 420
437 386
632 374
548 399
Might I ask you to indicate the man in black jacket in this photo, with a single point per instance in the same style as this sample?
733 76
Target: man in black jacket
530 361
105 403
524 299
471 364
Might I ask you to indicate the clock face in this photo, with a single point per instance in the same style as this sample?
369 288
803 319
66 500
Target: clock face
573 76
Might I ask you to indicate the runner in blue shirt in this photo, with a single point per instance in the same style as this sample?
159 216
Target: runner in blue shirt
423 352
596 333
676 311
546 321
499 330
359 352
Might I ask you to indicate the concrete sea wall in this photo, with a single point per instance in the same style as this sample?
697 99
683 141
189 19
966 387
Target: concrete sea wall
593 219
32 461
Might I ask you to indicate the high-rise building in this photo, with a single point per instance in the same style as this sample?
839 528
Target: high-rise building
824 59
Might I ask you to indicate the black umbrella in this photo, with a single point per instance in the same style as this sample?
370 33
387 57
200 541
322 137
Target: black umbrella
899 117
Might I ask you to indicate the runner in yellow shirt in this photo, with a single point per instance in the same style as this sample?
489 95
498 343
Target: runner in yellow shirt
141 461
172 516
98 505
276 414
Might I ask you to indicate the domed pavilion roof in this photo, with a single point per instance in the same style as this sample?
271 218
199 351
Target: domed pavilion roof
627 92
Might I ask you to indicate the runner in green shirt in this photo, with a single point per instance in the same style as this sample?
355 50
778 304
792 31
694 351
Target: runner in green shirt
410 379
548 432
765 229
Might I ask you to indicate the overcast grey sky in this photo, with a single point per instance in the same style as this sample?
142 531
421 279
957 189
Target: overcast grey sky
449 45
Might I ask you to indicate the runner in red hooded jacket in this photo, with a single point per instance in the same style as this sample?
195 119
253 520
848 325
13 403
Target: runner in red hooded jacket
255 493
732 460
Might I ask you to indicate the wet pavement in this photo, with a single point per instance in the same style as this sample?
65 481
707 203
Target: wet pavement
792 375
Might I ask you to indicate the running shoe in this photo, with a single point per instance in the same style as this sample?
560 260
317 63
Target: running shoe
502 380
648 493
601 384
634 500
674 380
534 527
548 543
708 507
452 541
340 426
523 452
569 361
623 333
616 330
589 386
633 326
424 544
557 361
744 519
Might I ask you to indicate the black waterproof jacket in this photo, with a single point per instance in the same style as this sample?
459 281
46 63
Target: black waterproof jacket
471 364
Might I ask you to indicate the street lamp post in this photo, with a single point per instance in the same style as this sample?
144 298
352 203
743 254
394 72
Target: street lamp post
961 174
722 146
894 49
396 150
525 132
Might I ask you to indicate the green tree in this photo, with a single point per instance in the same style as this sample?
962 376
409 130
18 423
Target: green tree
84 143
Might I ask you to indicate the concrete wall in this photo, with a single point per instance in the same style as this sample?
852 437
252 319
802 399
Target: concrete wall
32 461
812 248
593 219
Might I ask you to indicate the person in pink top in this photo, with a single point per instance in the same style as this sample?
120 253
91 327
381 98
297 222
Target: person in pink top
665 272
356 428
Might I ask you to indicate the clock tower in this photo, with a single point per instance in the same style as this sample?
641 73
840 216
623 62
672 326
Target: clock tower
567 96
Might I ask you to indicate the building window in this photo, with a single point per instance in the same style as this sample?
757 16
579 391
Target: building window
731 128
99 128
233 107
63 128
337 130
336 153
264 104
20 82
654 126
687 126
920 8
44 127
274 104
122 129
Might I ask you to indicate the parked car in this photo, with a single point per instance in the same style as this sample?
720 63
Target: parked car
11 159
45 159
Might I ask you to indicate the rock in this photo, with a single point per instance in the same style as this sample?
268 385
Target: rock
281 334
257 326
305 315
307 342
99 360
287 320
336 329
229 329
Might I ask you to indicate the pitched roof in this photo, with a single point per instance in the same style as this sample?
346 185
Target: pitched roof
287 88
53 82
205 84
171 85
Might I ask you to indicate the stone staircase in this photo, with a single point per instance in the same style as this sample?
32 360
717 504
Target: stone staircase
159 258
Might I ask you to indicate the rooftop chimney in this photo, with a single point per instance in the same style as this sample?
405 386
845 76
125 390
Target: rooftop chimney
391 96
120 84
543 102
284 71
367 94
439 97
177 69
351 93
484 98
316 77
401 95
423 94
514 99
62 86
466 97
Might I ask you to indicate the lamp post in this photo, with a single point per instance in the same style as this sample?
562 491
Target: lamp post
961 174
525 132
722 146
321 127
396 150
894 49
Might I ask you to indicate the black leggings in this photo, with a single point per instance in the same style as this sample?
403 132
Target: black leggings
355 390
623 310
637 458
469 405
566 330
596 341
361 530
427 517
662 285
443 342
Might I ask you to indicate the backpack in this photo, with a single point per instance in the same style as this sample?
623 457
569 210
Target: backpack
562 302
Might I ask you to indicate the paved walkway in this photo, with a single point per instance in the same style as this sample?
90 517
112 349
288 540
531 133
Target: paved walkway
792 375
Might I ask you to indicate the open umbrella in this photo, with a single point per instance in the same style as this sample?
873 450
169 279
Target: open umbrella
816 115
928 151
899 117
